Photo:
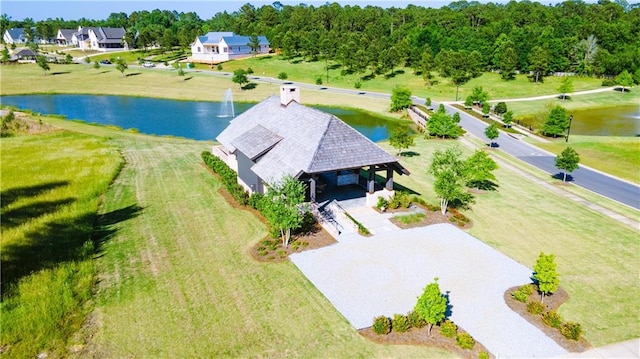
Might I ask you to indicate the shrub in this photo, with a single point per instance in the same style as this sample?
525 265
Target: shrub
400 199
483 355
357 85
283 76
381 325
535 307
608 82
465 341
255 199
219 67
400 323
526 289
571 330
415 320
319 81
448 329
382 202
228 176
519 296
249 71
552 319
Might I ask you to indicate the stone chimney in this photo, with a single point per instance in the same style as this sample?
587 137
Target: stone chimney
288 94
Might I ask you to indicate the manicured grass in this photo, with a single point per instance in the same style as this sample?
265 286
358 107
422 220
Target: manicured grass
597 257
179 278
530 110
619 156
51 188
160 83
442 90
410 218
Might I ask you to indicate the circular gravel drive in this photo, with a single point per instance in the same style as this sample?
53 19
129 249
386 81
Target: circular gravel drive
384 274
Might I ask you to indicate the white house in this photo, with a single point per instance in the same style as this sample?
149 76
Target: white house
15 36
215 47
99 38
65 37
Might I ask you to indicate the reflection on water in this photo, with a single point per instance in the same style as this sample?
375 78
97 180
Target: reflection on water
615 121
191 119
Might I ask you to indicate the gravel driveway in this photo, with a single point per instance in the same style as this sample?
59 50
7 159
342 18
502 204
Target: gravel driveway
384 274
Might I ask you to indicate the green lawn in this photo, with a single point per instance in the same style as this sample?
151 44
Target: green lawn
531 110
51 188
619 156
597 257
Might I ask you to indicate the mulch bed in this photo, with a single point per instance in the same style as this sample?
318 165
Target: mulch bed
551 302
271 249
419 336
431 217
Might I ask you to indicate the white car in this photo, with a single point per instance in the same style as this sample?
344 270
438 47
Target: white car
148 64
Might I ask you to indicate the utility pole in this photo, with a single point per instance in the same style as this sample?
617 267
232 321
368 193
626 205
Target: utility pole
566 139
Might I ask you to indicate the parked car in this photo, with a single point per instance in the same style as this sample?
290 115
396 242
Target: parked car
148 64
105 62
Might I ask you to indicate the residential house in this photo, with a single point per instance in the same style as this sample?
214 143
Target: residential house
216 47
279 137
16 36
65 37
25 55
99 38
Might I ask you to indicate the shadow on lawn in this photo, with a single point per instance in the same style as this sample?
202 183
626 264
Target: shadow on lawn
57 241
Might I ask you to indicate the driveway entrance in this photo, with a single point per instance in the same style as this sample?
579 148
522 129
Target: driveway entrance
384 274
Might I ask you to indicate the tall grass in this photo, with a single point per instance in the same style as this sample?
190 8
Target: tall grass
51 188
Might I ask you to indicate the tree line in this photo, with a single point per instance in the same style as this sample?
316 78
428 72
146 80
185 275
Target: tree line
573 36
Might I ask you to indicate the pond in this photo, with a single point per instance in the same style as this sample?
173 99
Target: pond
198 120
614 121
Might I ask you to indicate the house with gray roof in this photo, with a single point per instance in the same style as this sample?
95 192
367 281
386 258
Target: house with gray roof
216 47
100 38
16 36
64 37
280 136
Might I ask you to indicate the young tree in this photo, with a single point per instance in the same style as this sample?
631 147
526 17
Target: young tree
68 59
546 275
42 62
492 133
486 109
468 103
450 178
254 44
557 122
400 139
431 305
427 103
508 118
568 161
96 65
624 79
501 108
479 95
566 86
240 77
5 55
479 168
282 206
121 65
400 98
442 125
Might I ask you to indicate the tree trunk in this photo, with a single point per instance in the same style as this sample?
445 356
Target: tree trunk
541 297
564 178
443 206
429 326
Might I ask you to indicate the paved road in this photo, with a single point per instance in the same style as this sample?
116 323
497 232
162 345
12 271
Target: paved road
598 182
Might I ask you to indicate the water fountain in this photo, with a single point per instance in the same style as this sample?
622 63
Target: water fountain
226 107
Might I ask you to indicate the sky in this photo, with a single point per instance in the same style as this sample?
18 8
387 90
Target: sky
100 9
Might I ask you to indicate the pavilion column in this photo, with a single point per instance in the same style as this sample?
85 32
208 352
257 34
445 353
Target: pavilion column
389 184
312 189
371 182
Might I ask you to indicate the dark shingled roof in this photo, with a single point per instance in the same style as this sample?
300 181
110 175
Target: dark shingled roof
296 139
